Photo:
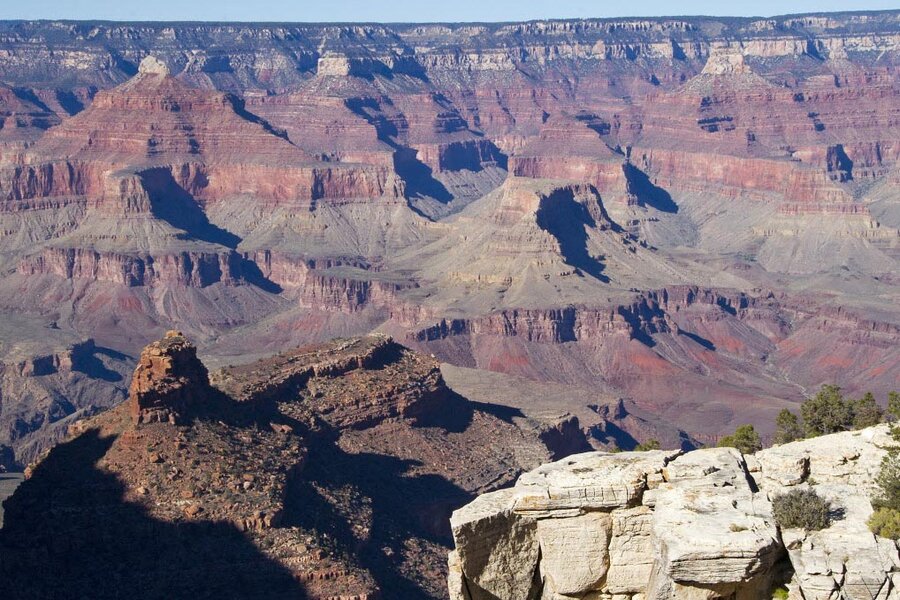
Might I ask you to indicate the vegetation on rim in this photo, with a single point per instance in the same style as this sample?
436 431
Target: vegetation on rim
802 508
745 438
885 521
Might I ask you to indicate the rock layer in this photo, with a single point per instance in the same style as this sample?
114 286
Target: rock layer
678 525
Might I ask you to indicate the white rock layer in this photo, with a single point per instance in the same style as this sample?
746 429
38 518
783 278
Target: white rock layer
665 525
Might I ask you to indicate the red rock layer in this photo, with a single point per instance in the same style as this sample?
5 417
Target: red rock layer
211 145
188 269
169 384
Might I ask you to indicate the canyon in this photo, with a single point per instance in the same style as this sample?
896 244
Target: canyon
668 226
296 310
347 469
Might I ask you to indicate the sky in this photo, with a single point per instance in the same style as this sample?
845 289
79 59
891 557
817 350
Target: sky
393 11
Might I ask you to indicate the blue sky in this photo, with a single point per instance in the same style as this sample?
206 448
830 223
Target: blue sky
408 10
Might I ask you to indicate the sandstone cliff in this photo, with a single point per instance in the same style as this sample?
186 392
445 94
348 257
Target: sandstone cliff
678 525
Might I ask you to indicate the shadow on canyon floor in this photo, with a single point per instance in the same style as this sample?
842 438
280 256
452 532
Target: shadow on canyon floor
377 505
175 205
70 534
418 177
698 339
453 414
616 436
89 359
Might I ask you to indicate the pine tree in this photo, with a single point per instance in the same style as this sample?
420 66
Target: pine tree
787 427
745 438
826 412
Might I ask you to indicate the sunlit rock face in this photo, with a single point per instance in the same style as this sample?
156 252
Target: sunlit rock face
170 383
677 525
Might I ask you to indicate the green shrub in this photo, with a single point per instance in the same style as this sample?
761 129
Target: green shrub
888 482
648 445
787 428
780 593
886 523
866 412
893 410
802 508
888 479
826 412
744 439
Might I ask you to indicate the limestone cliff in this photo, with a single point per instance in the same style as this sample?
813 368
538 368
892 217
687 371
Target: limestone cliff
667 525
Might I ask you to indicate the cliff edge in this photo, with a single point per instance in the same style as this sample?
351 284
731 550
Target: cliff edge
665 524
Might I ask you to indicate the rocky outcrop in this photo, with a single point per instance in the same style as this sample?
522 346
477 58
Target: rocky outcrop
671 525
725 61
263 468
379 381
153 66
170 383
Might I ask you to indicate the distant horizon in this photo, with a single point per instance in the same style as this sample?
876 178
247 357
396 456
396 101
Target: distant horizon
413 23
403 12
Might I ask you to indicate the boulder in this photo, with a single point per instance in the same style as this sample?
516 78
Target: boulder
575 552
589 481
497 549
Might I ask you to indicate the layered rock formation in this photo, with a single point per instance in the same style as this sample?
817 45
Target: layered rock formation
260 58
671 525
170 382
518 198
